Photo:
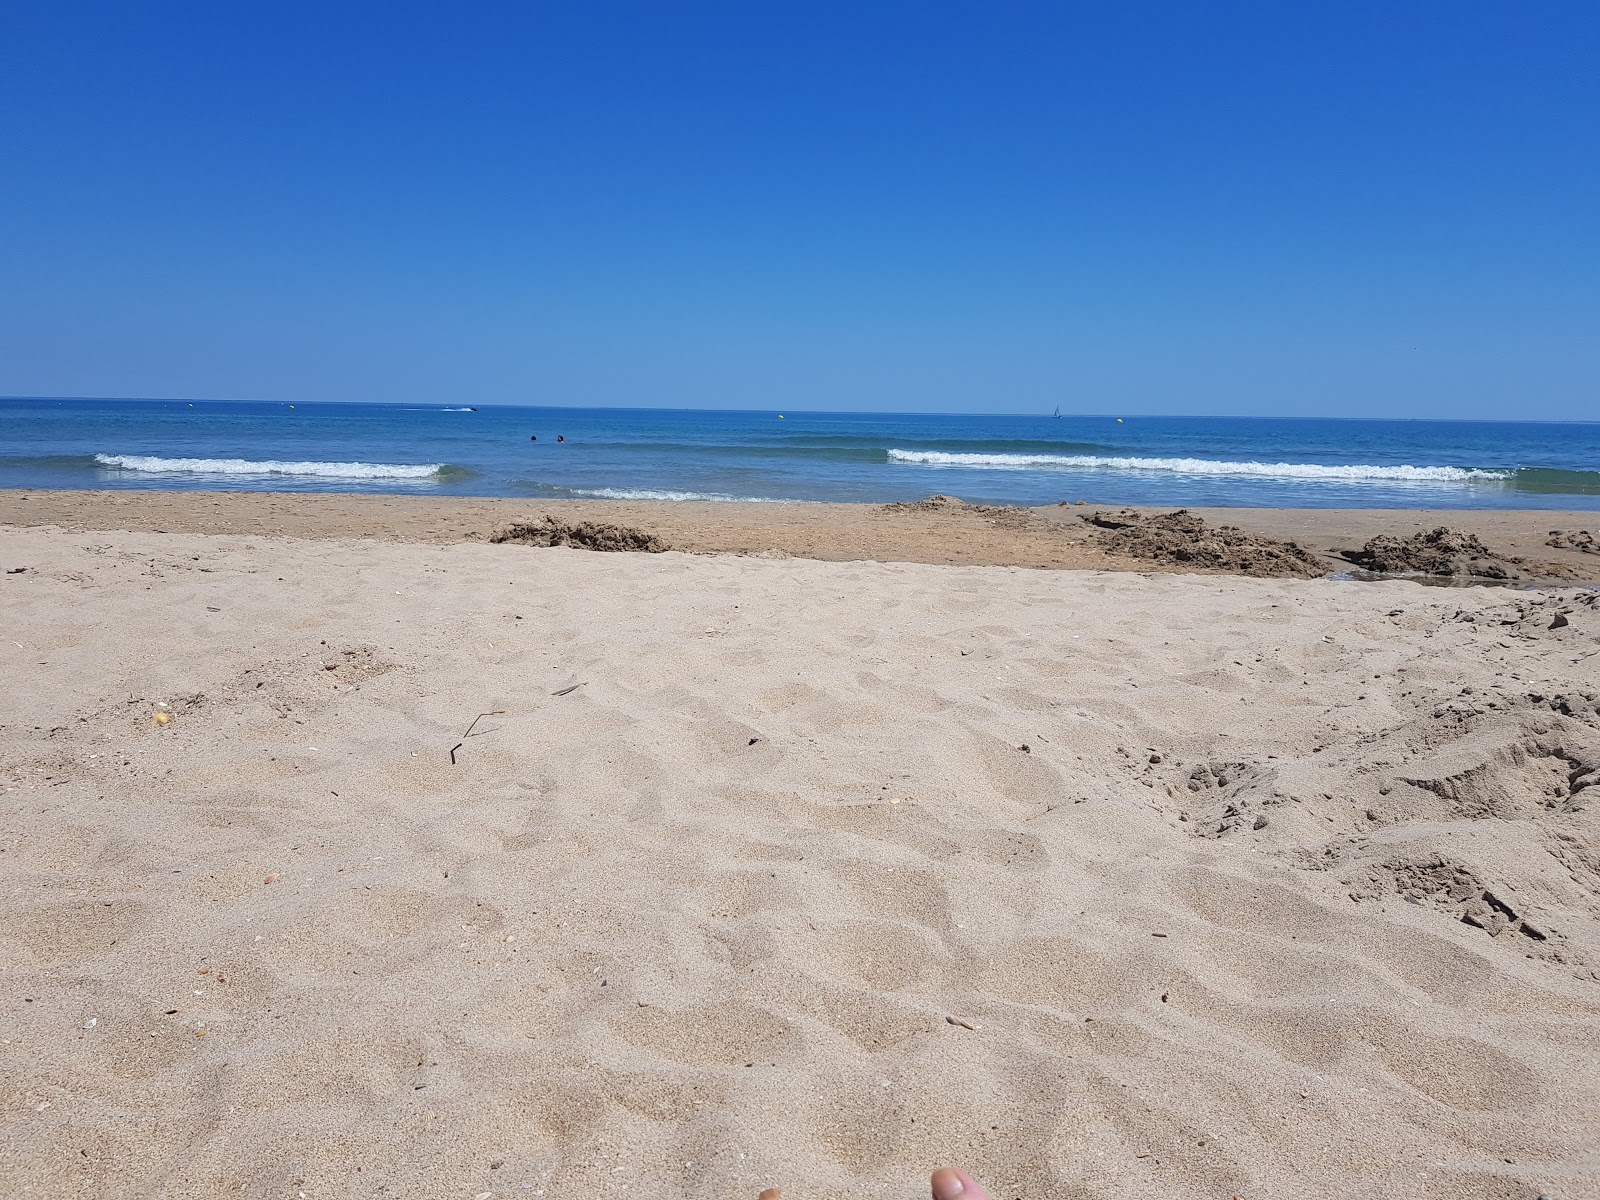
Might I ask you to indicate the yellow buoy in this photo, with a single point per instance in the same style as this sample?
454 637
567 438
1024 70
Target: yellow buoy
1119 420
780 416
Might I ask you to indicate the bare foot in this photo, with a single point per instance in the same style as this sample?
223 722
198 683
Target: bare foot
950 1183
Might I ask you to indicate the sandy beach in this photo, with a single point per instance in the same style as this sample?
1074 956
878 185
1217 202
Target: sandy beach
346 854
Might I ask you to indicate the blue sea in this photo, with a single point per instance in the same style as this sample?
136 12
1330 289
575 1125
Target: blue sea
656 454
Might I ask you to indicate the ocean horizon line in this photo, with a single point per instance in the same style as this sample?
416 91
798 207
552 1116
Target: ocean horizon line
457 405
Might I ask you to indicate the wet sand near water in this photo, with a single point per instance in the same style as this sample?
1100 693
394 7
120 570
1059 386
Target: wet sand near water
1051 537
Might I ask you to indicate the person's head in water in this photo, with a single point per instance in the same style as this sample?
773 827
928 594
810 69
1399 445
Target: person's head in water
559 438
534 438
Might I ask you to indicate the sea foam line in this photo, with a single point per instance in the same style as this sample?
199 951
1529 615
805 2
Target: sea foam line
1196 466
244 466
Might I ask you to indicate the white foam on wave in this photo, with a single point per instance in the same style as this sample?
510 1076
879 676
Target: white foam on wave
245 466
1197 466
665 494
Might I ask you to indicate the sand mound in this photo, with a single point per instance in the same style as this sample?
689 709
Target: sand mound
1523 761
1573 539
1001 515
586 535
935 503
1182 539
1441 551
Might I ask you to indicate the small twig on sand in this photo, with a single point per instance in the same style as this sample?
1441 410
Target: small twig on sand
498 712
571 687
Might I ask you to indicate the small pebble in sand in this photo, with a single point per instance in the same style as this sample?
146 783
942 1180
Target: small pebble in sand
161 718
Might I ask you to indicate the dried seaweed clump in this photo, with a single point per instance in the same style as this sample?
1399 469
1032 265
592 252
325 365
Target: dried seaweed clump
1181 539
1442 551
585 535
1573 539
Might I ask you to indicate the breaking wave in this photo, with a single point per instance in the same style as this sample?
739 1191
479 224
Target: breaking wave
1198 466
245 466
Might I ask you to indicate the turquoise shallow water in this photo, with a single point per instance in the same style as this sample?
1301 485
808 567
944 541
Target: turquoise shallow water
756 456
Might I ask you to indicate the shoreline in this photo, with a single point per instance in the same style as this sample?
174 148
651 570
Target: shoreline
1050 538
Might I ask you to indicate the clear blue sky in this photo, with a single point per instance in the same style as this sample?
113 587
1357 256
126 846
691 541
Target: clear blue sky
1344 208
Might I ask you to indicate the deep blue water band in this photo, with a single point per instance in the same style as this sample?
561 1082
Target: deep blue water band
675 454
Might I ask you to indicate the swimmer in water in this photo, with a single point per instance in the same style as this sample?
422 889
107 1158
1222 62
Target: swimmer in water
534 438
559 438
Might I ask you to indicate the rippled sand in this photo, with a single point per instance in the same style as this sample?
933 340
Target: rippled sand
1254 887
